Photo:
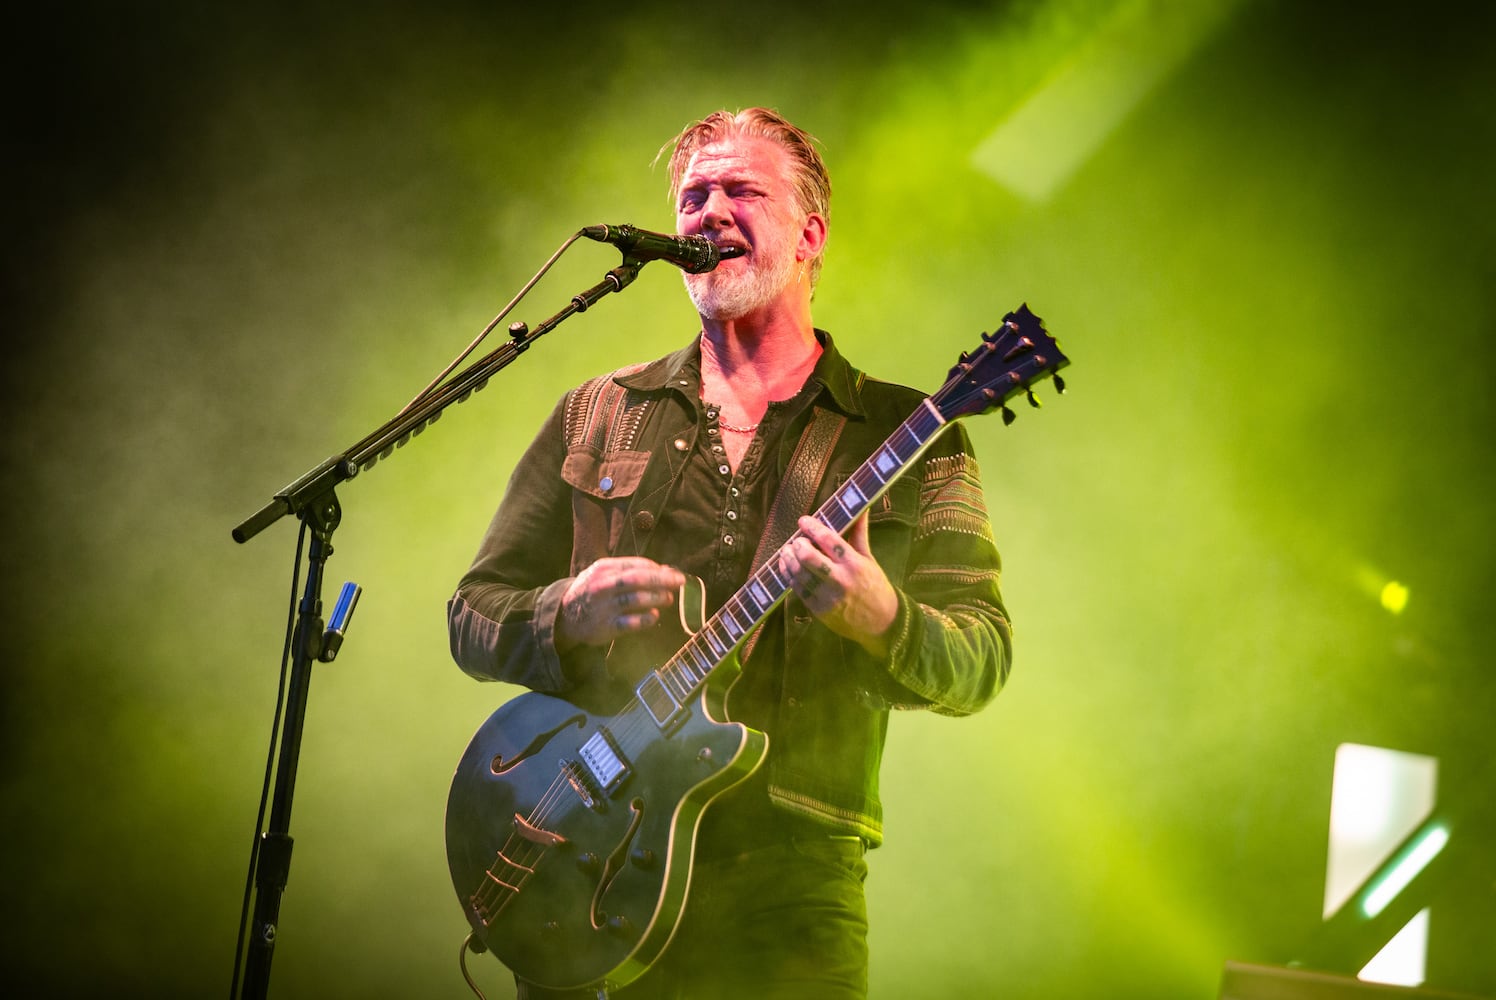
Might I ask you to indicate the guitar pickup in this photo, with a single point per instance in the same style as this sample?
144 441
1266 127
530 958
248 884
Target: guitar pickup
658 701
604 760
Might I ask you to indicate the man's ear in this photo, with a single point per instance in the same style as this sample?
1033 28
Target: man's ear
812 237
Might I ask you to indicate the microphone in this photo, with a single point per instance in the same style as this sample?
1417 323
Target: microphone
693 254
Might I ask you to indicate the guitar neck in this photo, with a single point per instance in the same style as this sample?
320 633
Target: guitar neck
1007 362
689 668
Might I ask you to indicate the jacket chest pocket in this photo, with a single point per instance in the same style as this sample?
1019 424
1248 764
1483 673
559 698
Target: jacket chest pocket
602 488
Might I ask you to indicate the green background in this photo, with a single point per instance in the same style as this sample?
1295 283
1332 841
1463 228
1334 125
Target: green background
240 238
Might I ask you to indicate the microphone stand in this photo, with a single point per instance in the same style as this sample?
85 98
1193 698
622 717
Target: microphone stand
312 499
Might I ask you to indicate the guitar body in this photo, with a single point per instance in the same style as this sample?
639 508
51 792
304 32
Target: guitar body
572 874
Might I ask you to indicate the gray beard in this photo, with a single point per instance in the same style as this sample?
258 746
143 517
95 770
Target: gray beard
728 297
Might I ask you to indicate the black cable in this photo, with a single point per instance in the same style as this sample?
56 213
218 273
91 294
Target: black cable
469 943
483 334
280 703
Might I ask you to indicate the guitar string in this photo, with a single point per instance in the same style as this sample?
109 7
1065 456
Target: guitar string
519 852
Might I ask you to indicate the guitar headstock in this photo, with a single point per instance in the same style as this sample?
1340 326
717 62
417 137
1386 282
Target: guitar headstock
1010 361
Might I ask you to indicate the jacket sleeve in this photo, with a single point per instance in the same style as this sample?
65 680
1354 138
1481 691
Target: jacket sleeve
501 621
950 647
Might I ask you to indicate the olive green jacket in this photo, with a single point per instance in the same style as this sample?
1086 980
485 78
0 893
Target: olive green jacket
591 485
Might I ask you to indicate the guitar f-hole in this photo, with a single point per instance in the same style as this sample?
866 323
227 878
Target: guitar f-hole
499 764
612 867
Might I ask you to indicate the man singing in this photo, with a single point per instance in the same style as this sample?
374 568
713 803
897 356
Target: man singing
647 475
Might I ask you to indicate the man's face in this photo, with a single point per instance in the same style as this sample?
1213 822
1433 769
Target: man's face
738 192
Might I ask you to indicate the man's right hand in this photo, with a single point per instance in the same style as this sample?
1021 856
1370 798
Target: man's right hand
614 597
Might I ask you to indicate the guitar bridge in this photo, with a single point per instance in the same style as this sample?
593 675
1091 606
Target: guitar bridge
576 776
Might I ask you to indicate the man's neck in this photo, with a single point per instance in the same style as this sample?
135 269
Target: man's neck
759 364
763 356
745 367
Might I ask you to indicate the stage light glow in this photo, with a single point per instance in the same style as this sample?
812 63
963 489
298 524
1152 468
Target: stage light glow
1394 597
1406 868
1403 962
1052 133
1378 798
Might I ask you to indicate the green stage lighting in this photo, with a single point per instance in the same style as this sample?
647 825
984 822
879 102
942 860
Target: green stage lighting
1404 867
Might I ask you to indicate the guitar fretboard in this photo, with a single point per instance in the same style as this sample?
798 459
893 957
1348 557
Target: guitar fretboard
689 668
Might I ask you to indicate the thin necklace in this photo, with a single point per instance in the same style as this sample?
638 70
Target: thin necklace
731 428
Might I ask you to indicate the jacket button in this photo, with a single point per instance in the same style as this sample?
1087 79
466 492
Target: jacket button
605 484
644 521
680 444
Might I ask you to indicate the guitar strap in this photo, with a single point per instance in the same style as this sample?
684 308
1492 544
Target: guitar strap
797 490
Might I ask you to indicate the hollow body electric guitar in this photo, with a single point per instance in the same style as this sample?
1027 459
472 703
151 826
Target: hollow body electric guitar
571 824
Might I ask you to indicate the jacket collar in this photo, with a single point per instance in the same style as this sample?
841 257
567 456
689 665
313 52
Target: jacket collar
837 377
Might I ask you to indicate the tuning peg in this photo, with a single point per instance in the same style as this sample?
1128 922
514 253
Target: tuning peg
1033 400
1008 416
1059 385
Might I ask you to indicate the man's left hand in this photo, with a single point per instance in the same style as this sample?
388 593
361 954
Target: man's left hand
841 583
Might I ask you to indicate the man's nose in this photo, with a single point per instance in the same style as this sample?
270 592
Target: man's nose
716 213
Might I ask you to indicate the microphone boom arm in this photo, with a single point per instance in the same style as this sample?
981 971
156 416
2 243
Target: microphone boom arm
295 497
